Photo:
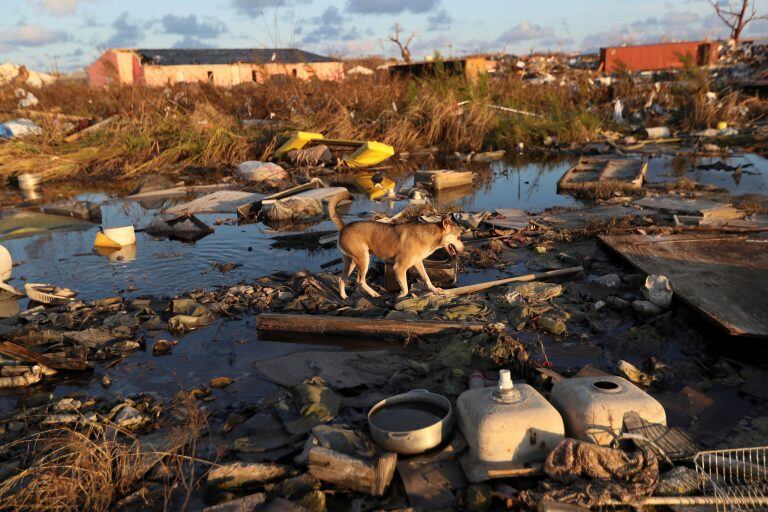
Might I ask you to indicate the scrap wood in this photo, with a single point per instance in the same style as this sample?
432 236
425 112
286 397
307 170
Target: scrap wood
20 353
722 276
354 326
93 128
369 476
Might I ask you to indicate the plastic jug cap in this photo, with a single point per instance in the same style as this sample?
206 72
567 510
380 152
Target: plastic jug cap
505 380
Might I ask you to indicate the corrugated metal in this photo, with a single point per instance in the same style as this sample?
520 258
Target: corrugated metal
656 56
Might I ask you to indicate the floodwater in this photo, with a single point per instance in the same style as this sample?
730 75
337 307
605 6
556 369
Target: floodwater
167 268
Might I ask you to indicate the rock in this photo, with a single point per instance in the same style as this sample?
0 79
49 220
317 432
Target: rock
162 347
646 308
221 382
244 475
612 281
106 381
678 481
265 173
479 497
617 302
635 375
130 418
67 405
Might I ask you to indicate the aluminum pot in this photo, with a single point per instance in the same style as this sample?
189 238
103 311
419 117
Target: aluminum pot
411 442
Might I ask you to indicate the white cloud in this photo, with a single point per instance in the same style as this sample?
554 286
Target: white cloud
59 7
525 31
31 35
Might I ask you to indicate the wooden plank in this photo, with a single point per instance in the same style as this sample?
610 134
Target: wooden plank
591 173
722 276
361 327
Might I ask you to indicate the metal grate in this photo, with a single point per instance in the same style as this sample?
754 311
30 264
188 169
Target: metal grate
737 477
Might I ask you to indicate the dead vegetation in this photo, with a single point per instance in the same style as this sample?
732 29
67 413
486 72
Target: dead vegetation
198 125
90 465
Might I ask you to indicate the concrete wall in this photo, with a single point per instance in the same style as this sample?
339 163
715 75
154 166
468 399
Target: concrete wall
124 67
115 67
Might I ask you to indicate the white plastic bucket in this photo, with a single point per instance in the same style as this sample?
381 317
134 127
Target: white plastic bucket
29 181
123 235
6 264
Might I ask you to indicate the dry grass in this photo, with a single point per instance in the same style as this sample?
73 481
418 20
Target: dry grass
91 466
198 125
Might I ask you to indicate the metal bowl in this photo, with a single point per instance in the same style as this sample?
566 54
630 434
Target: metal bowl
417 440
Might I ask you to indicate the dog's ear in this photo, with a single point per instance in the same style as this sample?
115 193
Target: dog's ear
447 223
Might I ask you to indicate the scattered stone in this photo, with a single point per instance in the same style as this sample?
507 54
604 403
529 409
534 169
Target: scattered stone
479 497
162 347
646 308
221 382
130 418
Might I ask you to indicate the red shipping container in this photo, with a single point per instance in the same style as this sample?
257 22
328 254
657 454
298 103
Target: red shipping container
652 57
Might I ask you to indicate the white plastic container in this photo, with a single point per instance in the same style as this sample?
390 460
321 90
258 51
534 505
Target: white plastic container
124 235
508 428
28 181
593 407
6 264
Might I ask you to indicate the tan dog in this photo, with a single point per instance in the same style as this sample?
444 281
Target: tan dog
403 245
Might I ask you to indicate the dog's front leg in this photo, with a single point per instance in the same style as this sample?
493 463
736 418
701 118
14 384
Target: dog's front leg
401 273
423 273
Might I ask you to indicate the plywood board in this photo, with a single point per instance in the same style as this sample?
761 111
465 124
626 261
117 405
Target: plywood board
722 276
223 201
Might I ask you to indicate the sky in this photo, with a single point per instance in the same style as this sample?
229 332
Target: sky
66 35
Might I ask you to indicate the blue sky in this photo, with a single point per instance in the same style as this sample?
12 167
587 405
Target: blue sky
67 34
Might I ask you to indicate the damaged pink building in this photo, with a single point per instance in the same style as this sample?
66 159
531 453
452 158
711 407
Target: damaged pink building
220 67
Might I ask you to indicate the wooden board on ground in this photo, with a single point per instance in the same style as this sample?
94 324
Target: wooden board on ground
443 179
703 207
590 173
582 217
721 276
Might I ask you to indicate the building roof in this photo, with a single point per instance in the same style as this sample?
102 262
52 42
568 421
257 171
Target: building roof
178 57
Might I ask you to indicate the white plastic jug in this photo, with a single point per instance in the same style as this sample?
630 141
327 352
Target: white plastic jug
6 264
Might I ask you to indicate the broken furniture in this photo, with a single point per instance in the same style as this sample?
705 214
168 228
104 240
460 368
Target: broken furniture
443 179
411 423
367 154
721 276
442 270
594 407
510 429
592 173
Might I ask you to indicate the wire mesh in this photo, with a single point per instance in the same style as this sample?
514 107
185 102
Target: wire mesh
737 477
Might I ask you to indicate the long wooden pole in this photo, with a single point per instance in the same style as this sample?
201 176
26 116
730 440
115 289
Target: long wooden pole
355 326
472 288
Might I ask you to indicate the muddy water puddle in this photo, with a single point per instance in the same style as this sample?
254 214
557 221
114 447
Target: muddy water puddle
162 267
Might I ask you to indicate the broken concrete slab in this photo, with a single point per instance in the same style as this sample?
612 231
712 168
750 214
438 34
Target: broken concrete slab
335 368
222 201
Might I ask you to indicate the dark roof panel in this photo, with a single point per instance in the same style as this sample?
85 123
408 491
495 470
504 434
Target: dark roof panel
178 57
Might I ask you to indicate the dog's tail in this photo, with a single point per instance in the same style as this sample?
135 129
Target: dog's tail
335 200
